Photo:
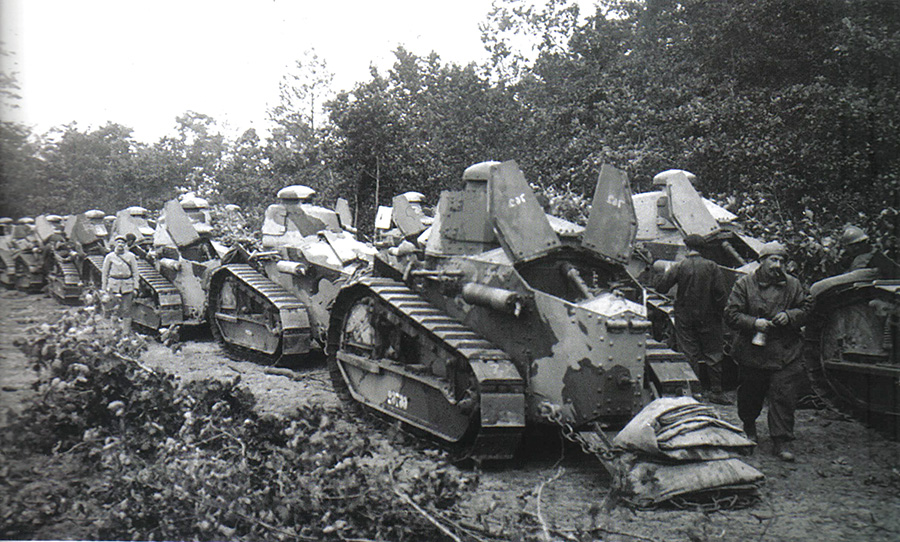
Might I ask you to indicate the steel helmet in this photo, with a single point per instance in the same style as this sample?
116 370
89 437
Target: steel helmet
852 235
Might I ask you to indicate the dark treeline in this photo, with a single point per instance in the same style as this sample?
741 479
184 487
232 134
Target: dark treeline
785 109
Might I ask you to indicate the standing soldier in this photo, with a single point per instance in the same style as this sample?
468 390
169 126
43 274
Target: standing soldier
699 303
120 279
767 308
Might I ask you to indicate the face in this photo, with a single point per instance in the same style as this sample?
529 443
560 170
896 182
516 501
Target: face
120 245
773 265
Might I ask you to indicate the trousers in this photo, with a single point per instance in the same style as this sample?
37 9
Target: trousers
780 387
703 344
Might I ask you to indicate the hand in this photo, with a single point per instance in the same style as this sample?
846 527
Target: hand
762 324
781 319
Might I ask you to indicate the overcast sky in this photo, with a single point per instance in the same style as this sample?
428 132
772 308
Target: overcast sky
142 63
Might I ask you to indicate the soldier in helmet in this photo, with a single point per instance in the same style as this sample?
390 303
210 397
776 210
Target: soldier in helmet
120 279
767 308
859 254
698 314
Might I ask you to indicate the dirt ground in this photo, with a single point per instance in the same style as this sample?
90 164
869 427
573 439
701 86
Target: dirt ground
844 486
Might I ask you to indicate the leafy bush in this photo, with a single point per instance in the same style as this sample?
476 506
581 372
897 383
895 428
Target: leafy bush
112 450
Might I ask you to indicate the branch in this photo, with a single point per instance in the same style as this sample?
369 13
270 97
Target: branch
136 362
426 515
540 517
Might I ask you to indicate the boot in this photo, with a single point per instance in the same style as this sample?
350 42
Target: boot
750 430
782 450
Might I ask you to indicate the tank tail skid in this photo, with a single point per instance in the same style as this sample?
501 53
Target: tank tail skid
253 317
456 387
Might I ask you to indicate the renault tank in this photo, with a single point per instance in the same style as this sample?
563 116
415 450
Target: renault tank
65 252
27 254
404 218
69 270
854 338
497 325
183 253
274 303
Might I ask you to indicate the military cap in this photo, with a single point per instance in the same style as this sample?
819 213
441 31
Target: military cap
772 248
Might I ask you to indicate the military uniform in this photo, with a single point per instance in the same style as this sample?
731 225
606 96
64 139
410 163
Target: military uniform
774 369
120 278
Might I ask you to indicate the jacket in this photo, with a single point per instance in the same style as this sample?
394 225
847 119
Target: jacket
754 297
120 273
701 292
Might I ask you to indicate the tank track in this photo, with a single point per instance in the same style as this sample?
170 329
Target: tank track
498 382
293 319
64 281
93 269
164 301
669 370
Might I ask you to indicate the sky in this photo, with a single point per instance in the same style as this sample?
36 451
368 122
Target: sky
142 63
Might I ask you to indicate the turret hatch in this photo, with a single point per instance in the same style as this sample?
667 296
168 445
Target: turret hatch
518 217
687 207
179 225
612 225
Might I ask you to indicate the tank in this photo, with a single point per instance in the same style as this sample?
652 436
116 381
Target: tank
404 218
66 256
274 303
496 325
183 253
27 253
853 342
86 237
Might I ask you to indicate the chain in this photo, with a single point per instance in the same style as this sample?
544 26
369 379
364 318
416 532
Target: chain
602 451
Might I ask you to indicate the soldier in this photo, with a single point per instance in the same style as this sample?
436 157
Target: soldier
767 309
859 254
120 279
699 303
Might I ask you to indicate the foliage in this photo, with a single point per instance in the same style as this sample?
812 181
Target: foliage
112 450
787 107
418 128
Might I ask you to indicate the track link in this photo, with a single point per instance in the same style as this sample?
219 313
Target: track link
497 406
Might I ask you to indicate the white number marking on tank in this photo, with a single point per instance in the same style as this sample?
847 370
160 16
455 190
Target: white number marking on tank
516 201
614 201
397 400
